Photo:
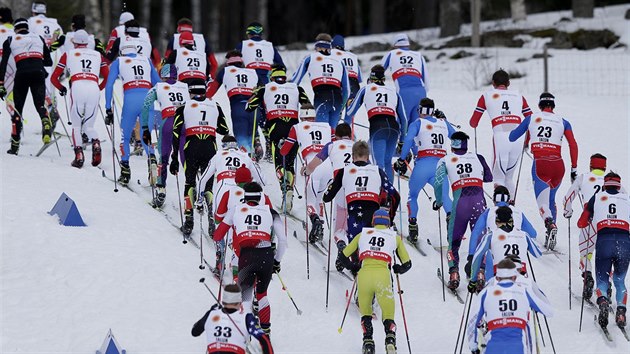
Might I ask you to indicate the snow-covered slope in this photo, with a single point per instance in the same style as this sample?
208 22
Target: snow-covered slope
63 288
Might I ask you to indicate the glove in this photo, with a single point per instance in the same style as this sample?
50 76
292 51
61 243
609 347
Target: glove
354 267
174 166
567 213
396 268
468 266
3 92
400 167
472 287
439 114
280 144
436 205
573 174
303 171
63 91
109 117
476 351
276 266
146 136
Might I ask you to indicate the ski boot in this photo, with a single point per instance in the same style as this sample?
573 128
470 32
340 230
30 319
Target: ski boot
550 237
338 262
153 170
413 231
368 342
268 156
96 152
125 173
84 140
46 130
137 148
317 229
453 282
589 283
15 146
53 113
160 197
620 317
448 218
602 319
189 223
218 267
78 157
258 150
266 327
481 280
390 336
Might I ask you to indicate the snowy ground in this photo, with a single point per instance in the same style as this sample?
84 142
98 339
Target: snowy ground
63 288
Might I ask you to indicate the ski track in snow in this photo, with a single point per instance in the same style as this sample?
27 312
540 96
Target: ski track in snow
63 288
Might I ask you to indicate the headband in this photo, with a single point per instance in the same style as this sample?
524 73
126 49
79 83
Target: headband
231 298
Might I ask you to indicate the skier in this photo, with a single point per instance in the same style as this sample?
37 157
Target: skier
31 57
229 327
136 36
387 117
281 101
201 44
584 187
140 38
311 137
429 135
409 72
84 66
138 76
239 83
502 241
366 188
546 132
487 221
49 30
378 247
169 94
338 153
259 241
609 212
466 171
65 44
329 80
503 107
6 31
505 306
197 123
258 53
350 61
191 64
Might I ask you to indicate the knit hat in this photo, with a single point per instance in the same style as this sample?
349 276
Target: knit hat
338 42
80 37
20 24
546 100
124 17
380 217
501 194
377 74
426 106
186 38
78 22
612 180
254 29
459 141
242 175
400 40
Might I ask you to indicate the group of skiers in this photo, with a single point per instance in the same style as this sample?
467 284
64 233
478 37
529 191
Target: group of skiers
406 134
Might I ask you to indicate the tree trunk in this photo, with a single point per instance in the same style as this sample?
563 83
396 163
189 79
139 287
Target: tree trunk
145 13
358 17
450 17
262 15
583 8
377 16
195 10
215 22
116 11
93 17
517 8
107 18
167 22
426 13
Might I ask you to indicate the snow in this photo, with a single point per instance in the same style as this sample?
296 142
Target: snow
62 288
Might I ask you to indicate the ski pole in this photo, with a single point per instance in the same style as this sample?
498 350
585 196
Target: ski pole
284 287
345 313
461 348
238 328
69 122
518 178
329 248
441 256
402 309
284 180
569 227
544 317
114 155
201 266
179 200
400 209
461 323
536 330
475 140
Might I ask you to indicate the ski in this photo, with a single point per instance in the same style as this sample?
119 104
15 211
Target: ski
624 332
437 248
318 246
342 273
295 218
416 246
453 292
46 146
111 179
604 330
